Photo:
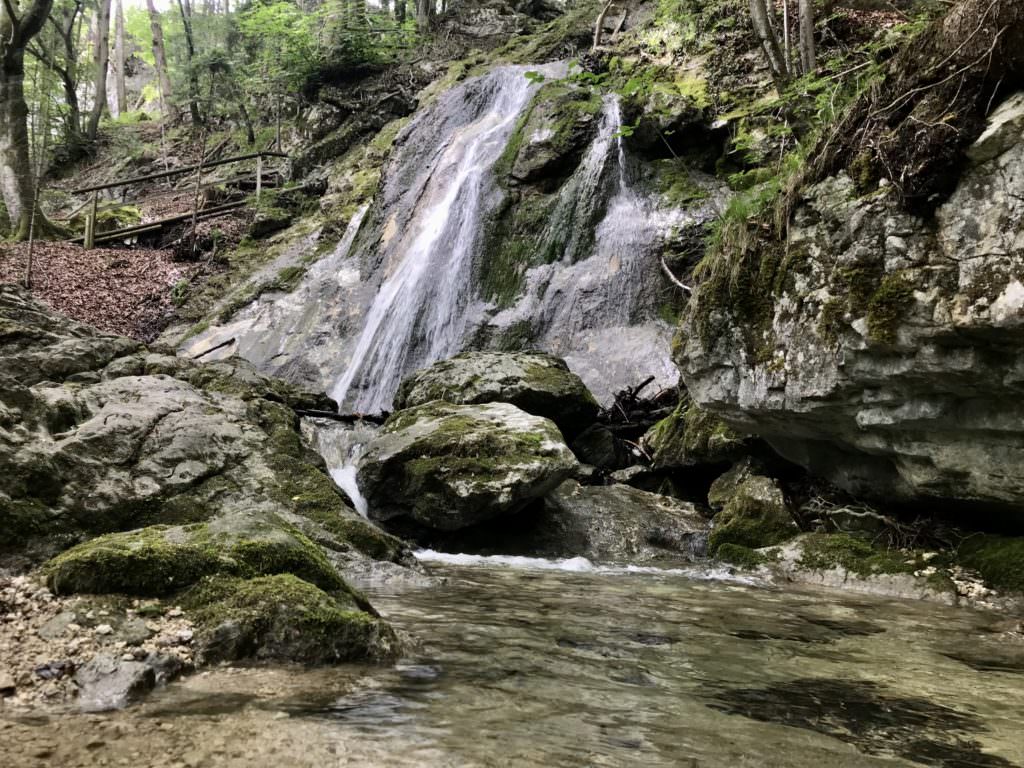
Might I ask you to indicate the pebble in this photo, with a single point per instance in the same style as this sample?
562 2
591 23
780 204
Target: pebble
37 670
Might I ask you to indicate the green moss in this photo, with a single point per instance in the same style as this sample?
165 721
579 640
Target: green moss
822 552
999 560
740 556
888 306
285 618
160 559
676 184
755 516
830 320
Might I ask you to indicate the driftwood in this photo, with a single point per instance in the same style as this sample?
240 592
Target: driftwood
630 414
345 418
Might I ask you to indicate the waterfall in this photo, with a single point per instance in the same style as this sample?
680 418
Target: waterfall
419 313
400 292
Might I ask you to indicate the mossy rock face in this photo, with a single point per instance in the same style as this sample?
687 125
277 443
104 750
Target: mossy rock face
691 436
550 138
283 618
449 466
999 560
161 560
121 437
537 383
754 512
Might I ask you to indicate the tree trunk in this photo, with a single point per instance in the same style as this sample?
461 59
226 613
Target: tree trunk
185 7
808 60
15 168
102 59
16 181
160 60
119 56
400 11
769 42
424 14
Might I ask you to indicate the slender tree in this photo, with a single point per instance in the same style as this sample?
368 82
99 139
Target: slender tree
64 21
808 59
119 59
167 106
101 59
761 20
16 178
185 7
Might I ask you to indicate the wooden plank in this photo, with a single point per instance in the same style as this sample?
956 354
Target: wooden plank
176 172
124 232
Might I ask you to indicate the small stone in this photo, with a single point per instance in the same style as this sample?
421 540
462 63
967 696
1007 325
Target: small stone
7 684
104 629
175 612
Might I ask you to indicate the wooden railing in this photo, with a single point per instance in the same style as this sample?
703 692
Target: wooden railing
90 238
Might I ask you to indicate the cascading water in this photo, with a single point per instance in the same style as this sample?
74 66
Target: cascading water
418 315
401 290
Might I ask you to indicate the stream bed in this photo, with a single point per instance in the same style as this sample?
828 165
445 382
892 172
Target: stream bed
519 662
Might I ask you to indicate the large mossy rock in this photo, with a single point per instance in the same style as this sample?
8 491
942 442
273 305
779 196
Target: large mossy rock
161 559
616 523
754 512
449 466
154 472
537 383
99 435
283 618
552 134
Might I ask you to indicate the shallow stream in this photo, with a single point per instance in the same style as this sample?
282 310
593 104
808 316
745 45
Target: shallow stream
532 663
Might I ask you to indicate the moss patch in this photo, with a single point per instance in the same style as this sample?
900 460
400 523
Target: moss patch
161 559
999 560
822 552
888 306
284 618
740 556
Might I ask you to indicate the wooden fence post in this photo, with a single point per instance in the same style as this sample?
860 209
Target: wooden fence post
90 222
259 175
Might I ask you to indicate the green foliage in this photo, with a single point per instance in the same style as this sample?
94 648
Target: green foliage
999 560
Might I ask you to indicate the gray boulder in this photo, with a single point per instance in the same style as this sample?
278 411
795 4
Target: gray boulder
616 523
450 466
537 383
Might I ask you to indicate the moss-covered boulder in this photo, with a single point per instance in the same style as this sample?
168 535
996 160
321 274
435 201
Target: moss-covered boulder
160 559
284 618
537 383
691 436
449 466
754 512
101 435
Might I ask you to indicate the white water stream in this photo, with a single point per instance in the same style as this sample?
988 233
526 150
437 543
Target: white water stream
428 286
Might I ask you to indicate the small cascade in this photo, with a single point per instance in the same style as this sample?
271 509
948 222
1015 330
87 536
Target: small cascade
418 315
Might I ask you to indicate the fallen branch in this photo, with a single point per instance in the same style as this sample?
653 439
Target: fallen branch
599 26
214 348
345 418
673 278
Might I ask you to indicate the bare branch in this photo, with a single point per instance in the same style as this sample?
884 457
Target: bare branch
674 279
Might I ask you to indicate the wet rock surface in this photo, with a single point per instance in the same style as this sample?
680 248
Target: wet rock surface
537 383
617 523
449 466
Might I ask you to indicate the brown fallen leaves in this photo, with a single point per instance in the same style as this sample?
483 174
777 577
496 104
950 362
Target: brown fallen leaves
121 291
